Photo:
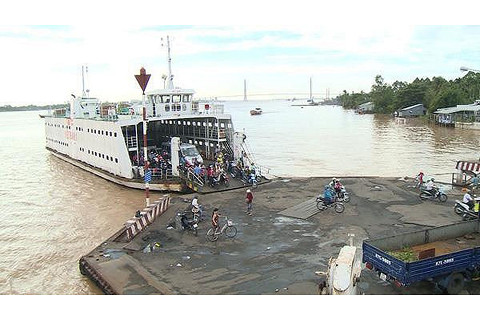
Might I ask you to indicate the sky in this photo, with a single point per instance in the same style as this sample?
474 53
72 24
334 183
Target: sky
41 60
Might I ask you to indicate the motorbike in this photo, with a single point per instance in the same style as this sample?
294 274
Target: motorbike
434 195
251 179
338 206
463 210
189 224
343 195
222 179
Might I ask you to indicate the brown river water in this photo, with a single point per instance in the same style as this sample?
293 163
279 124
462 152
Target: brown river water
52 213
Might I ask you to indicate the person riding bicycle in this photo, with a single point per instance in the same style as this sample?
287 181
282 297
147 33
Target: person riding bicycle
215 216
467 199
328 195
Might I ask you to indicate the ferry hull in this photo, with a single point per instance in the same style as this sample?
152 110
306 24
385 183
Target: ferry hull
173 186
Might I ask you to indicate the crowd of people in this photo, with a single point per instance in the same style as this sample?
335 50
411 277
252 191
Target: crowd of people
223 164
159 161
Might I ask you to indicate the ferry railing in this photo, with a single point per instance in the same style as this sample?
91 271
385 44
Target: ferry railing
161 174
131 142
193 177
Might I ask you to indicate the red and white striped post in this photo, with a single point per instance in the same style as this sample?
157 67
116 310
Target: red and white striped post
142 80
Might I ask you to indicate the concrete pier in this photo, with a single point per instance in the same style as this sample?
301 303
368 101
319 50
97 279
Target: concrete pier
276 250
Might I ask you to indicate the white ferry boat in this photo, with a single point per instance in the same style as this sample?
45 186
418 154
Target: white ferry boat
107 139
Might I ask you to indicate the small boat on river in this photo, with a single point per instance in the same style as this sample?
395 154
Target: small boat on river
256 111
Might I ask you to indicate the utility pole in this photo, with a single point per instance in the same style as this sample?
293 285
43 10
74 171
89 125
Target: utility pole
142 80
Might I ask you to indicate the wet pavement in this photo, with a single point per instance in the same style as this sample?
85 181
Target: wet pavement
273 252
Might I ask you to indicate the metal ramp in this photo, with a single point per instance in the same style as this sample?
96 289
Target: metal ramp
302 210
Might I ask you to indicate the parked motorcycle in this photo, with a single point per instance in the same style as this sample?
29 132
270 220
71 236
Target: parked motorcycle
463 210
221 179
338 206
434 195
189 224
251 179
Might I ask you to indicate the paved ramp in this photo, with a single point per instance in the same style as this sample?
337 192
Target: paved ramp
302 210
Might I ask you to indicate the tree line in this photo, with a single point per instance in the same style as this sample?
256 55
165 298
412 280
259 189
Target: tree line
32 107
432 93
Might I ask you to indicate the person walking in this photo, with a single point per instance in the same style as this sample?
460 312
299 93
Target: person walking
249 201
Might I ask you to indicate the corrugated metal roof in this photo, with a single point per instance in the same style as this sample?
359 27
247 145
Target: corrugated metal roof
411 107
459 108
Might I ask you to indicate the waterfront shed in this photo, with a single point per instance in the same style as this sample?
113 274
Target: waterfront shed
365 107
458 114
413 111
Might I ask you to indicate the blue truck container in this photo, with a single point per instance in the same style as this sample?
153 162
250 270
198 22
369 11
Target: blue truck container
447 270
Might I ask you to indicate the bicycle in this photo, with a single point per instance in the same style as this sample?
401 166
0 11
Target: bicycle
228 229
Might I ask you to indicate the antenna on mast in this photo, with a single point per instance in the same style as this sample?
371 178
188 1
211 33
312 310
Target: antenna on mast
170 75
84 74
83 82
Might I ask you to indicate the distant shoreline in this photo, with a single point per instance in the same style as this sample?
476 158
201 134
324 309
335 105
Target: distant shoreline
32 108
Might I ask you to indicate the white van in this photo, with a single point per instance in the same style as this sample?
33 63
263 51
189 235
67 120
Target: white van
189 152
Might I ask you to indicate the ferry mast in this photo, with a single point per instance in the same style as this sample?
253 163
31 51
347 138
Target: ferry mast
170 75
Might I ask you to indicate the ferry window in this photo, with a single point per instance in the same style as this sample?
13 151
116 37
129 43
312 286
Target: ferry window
229 125
199 124
190 141
179 122
108 158
95 153
102 132
204 124
176 98
188 123
186 98
222 125
103 156
157 99
184 107
209 124
115 134
184 122
201 143
116 160
165 99
110 133
167 108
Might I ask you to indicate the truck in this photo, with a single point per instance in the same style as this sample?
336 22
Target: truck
447 256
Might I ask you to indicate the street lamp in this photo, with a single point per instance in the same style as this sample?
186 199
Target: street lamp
466 69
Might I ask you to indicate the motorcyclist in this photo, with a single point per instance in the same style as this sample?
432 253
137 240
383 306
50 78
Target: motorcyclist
332 183
328 195
430 187
338 187
196 207
467 199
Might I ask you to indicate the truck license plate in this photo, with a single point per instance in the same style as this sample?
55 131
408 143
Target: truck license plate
383 276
